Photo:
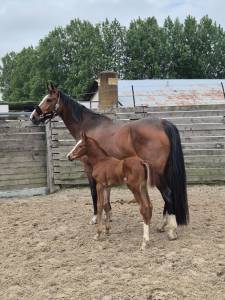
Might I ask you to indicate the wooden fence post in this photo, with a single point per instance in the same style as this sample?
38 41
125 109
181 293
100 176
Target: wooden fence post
50 173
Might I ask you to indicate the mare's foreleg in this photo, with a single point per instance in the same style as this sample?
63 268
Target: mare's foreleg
92 185
100 206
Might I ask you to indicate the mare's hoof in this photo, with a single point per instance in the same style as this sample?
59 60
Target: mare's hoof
172 235
160 229
93 220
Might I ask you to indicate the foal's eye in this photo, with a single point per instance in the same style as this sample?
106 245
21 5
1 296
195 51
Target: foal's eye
49 100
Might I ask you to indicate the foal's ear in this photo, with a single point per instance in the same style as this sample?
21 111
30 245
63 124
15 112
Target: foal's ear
83 135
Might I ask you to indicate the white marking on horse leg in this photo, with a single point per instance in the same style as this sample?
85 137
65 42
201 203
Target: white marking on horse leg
161 227
172 226
93 220
145 241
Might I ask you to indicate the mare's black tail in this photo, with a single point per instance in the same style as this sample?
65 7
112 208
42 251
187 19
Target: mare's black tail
175 174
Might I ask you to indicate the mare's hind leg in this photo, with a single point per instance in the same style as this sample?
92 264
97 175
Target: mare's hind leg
169 218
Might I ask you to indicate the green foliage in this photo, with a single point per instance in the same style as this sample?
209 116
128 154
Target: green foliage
71 57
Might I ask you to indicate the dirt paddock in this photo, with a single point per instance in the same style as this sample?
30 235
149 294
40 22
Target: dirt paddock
47 249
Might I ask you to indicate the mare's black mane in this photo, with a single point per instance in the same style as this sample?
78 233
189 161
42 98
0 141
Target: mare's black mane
78 110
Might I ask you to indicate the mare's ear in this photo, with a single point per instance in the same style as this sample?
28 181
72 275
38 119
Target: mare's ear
51 88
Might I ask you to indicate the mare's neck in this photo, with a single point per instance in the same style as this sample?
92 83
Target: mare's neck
72 125
78 118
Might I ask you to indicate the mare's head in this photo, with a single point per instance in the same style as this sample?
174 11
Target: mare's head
48 108
80 149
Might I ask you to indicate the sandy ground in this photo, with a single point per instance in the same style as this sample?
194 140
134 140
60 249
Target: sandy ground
47 249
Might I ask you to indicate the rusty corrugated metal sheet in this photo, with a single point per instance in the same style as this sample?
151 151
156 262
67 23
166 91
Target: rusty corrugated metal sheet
171 92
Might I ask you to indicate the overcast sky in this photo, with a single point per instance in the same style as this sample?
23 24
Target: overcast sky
25 22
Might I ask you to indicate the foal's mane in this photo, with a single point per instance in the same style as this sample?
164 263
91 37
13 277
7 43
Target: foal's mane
78 110
93 141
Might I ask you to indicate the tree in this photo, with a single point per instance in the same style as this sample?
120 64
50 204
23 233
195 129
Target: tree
16 73
113 37
6 73
142 48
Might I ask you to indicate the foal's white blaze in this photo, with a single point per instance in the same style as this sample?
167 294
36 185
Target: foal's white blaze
74 148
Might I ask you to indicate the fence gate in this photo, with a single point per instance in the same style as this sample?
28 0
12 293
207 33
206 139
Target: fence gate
23 168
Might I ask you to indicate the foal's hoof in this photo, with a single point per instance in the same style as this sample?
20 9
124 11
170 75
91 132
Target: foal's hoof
172 235
93 220
97 237
144 245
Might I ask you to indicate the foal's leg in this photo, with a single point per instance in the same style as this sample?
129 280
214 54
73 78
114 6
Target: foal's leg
92 184
146 211
142 197
107 208
100 206
168 212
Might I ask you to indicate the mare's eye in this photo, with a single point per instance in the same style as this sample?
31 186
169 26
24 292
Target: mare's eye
49 100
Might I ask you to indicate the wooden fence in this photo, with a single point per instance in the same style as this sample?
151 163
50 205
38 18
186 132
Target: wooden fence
202 130
34 157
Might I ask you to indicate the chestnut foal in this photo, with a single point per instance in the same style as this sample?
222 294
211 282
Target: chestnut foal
109 171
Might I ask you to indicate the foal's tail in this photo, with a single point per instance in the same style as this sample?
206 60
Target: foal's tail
176 175
151 176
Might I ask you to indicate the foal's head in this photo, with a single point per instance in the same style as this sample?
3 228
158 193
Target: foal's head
48 108
80 149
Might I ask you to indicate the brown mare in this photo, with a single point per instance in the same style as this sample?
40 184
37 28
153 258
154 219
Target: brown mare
109 171
156 141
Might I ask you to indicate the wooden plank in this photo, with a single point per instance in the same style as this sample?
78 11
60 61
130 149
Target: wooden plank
66 163
23 148
201 139
29 171
21 130
201 127
29 176
21 164
189 133
22 144
31 182
208 152
203 145
206 179
25 192
69 176
205 171
21 135
82 181
17 124
71 143
25 156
